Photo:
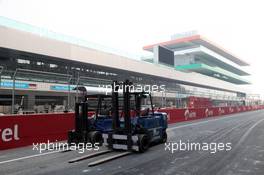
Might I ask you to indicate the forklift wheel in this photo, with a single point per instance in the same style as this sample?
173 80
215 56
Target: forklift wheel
143 143
164 137
95 137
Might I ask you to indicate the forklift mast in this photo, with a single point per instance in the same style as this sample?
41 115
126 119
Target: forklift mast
81 118
127 119
115 106
126 86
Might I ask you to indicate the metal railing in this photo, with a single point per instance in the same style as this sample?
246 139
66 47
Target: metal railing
35 72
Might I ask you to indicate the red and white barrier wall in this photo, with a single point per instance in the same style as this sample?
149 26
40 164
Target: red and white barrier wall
22 130
179 115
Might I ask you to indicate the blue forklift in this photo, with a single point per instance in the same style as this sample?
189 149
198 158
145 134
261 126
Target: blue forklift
134 133
90 129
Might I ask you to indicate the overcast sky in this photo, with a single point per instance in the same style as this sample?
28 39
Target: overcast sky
236 25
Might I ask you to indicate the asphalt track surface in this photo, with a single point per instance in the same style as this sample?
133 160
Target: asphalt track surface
245 132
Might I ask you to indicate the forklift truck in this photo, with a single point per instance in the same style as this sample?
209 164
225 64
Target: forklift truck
139 132
90 129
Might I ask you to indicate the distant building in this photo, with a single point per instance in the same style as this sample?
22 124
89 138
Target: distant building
47 66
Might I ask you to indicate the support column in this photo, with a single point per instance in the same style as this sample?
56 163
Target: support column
30 101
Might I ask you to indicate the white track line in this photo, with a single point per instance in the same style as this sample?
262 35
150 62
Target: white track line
243 138
28 157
